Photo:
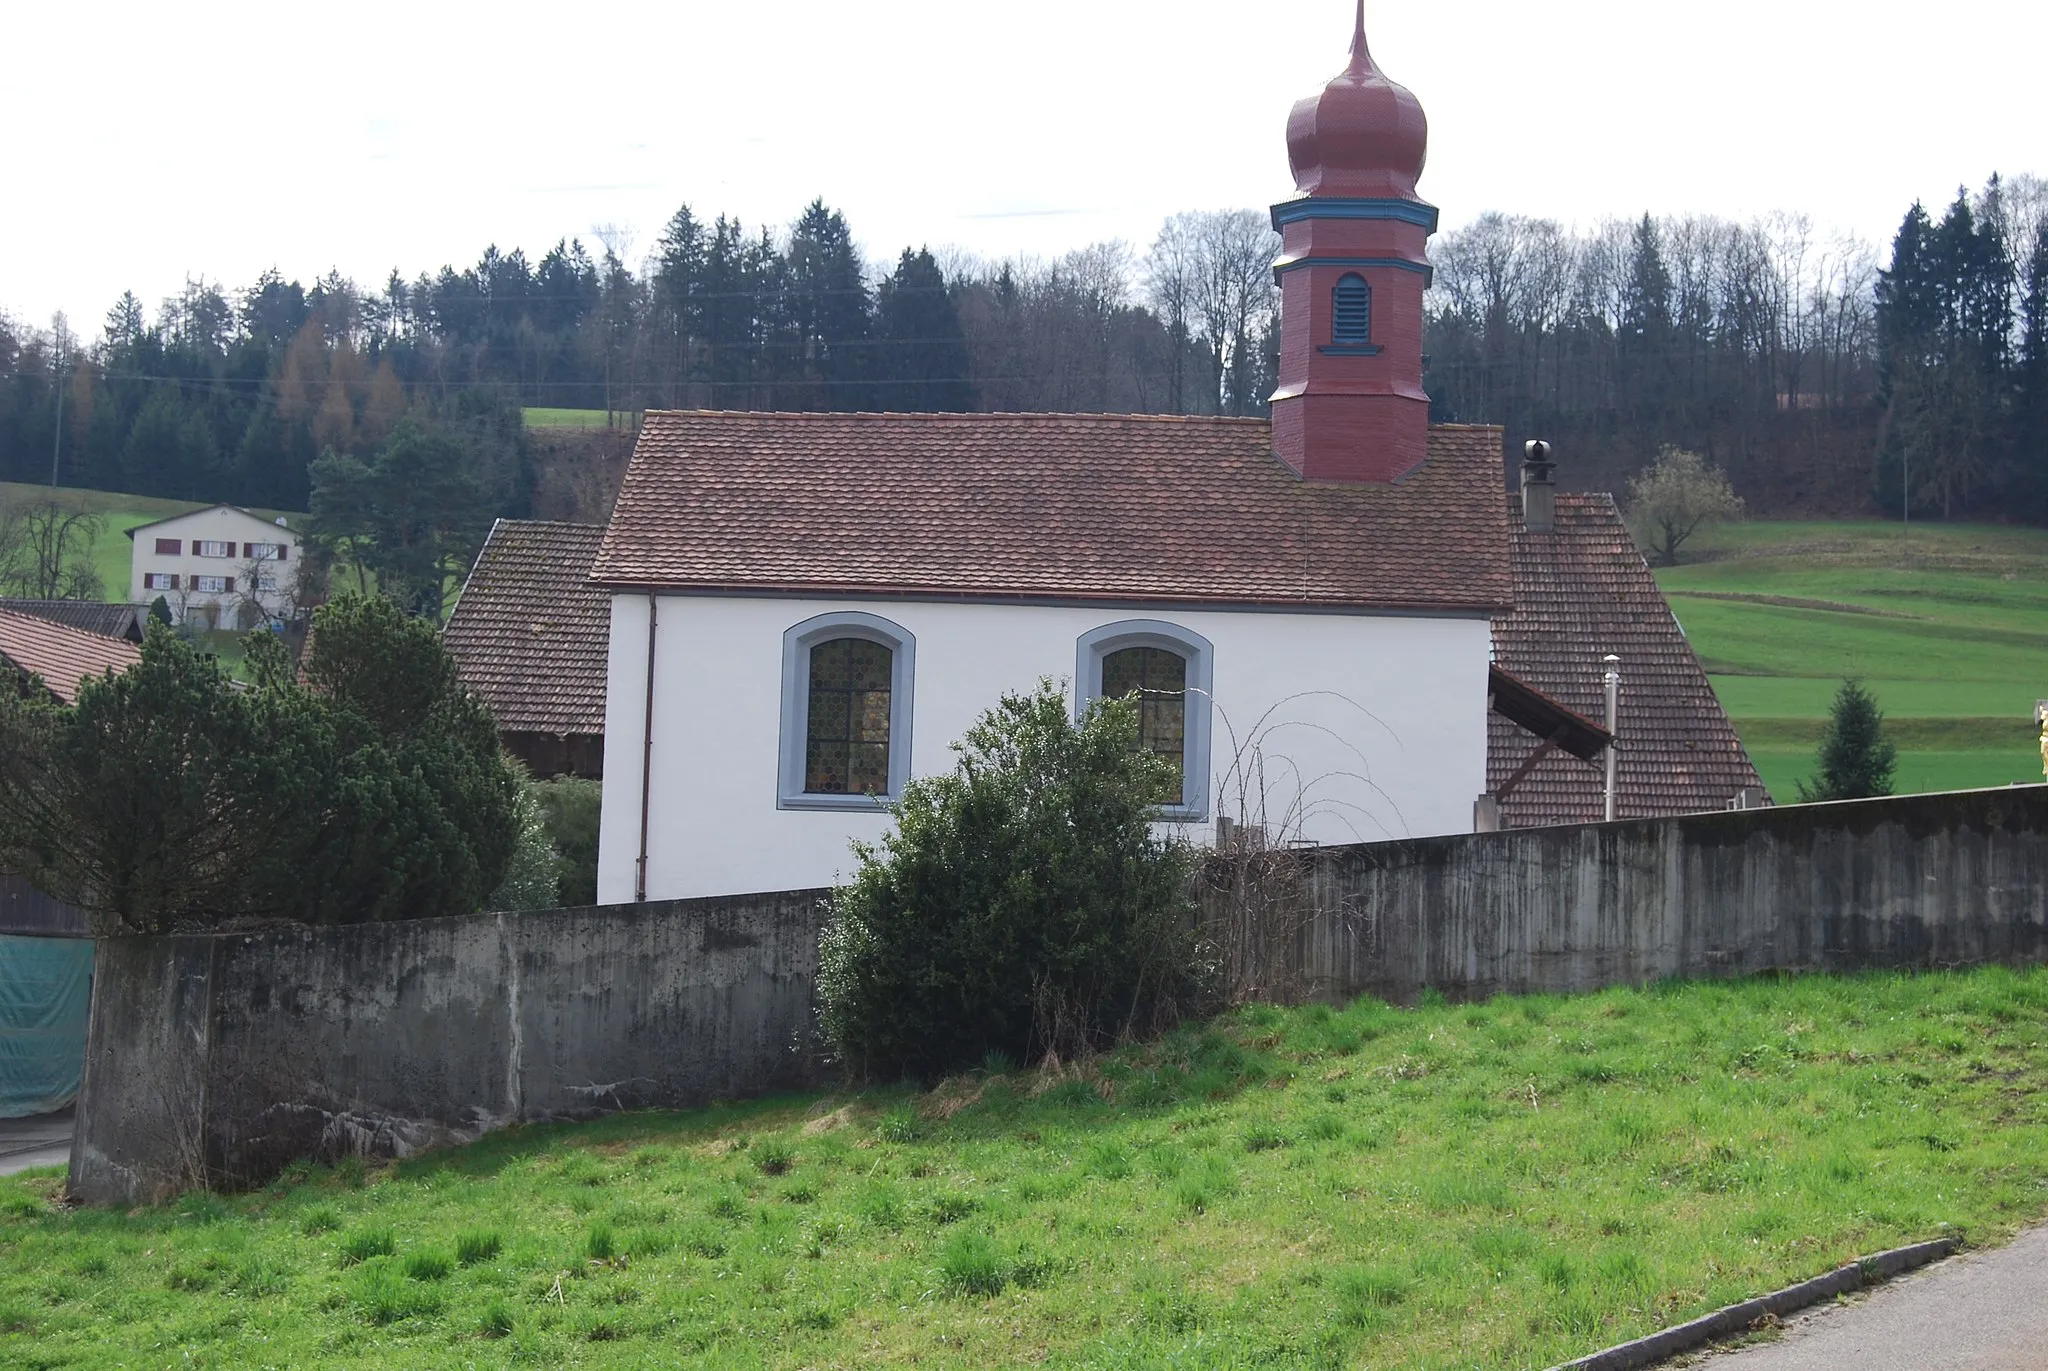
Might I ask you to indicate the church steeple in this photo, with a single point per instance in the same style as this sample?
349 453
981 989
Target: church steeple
1352 270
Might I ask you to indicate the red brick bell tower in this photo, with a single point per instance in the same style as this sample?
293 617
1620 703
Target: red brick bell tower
1353 265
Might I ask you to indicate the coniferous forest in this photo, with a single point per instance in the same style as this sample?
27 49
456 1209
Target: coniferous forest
1826 376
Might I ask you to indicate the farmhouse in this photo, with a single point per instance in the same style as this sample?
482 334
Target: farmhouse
215 568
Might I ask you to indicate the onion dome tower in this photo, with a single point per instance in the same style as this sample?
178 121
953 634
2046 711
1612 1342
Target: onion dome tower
1352 269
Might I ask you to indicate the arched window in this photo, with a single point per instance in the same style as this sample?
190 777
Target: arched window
1167 668
1351 312
846 681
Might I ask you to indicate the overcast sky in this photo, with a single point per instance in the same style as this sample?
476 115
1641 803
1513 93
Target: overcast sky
149 142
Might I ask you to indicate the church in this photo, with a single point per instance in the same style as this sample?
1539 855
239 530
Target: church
807 609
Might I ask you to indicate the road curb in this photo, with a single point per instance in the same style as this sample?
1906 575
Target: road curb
1738 1318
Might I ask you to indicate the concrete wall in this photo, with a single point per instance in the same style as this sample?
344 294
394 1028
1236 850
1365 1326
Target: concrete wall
1369 726
1918 881
219 1058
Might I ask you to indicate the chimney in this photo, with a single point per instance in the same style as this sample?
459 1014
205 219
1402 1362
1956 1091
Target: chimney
1539 492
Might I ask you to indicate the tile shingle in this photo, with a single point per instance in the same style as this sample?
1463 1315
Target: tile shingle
1061 506
529 632
1582 592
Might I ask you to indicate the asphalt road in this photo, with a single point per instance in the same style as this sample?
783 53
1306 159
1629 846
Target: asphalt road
44 1140
1983 1311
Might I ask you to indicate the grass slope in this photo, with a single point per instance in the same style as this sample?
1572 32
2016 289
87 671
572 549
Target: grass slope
541 416
1948 627
1504 1184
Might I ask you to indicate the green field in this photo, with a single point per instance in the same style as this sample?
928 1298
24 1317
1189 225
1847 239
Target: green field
543 417
1947 626
1499 1185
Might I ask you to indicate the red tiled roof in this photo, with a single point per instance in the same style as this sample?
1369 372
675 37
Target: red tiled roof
1582 592
1056 506
529 632
61 655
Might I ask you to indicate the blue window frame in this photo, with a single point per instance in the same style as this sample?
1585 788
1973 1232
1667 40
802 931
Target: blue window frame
846 696
1170 670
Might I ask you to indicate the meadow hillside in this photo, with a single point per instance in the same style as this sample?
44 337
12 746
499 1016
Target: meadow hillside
1948 626
1506 1184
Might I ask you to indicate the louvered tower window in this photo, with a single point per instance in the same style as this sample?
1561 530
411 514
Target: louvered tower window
1351 312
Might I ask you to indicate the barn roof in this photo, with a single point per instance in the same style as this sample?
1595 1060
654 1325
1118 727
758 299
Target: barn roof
62 656
1583 591
1092 507
94 616
529 632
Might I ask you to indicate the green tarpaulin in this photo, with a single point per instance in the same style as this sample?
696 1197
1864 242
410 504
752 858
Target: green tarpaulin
45 994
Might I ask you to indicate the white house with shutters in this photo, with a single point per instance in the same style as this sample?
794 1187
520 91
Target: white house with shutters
216 568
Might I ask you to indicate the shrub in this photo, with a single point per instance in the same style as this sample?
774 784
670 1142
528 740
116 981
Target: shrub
1022 904
569 805
533 877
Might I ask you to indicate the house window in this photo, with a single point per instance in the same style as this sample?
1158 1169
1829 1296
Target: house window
263 552
169 547
846 684
1351 312
1158 677
211 585
266 584
1168 668
159 580
209 548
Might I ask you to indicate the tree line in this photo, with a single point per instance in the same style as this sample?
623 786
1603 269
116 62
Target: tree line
1817 377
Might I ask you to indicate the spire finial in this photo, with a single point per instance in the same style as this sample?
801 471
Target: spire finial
1361 59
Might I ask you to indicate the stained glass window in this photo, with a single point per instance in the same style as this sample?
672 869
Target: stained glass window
846 744
1159 678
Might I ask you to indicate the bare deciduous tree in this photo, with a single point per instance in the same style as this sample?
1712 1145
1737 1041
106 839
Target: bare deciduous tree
46 550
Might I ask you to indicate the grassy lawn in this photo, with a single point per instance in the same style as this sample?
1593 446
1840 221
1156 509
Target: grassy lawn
1948 628
1505 1184
540 416
112 551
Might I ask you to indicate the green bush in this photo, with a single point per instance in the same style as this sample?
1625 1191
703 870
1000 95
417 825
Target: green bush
569 806
533 878
368 785
1023 903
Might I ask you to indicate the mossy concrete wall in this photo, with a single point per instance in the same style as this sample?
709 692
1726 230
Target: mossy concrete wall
1953 879
217 1059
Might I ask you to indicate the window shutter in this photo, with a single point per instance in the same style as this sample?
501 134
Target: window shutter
282 549
1351 311
169 547
229 586
248 549
174 581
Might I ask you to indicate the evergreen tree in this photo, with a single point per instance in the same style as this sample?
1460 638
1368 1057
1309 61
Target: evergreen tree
2030 385
922 363
825 314
1855 759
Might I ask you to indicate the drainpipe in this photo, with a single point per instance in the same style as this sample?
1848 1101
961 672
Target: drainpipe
1613 683
647 758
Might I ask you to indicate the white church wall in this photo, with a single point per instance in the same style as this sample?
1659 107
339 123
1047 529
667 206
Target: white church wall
1367 727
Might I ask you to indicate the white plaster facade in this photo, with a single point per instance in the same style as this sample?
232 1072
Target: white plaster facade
225 562
1383 717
